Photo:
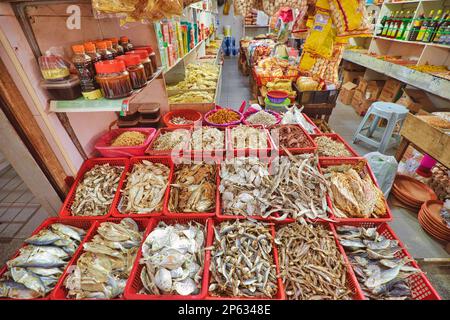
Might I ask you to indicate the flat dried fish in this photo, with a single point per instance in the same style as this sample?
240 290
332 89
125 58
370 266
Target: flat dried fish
327 147
207 138
243 137
170 140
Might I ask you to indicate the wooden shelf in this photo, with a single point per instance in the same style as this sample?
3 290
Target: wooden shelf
414 42
185 56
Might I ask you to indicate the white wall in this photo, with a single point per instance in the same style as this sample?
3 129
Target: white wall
234 21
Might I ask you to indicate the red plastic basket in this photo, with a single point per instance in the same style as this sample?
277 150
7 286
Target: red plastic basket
83 224
210 242
421 287
164 160
217 154
192 215
103 145
337 138
326 162
279 150
134 285
86 166
262 80
247 151
151 151
188 114
316 129
352 282
60 292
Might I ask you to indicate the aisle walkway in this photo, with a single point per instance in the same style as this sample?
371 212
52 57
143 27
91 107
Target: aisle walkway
235 87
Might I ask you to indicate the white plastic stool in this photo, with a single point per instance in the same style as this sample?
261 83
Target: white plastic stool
393 113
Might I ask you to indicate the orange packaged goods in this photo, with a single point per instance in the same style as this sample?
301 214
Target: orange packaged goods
223 116
350 18
136 70
114 79
145 60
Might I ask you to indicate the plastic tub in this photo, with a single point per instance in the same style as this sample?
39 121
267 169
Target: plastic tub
134 284
185 113
66 211
63 90
277 96
209 113
103 144
337 138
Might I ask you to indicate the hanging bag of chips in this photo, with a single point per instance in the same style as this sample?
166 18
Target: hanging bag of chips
350 18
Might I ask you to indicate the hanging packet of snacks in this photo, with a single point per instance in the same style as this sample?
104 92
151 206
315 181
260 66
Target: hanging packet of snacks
226 7
270 7
243 7
350 18
299 28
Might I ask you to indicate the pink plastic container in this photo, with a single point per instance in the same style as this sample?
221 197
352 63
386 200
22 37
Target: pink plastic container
224 124
103 145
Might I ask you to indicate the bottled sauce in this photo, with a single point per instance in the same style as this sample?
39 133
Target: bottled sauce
443 23
404 27
381 27
114 79
417 25
386 26
110 48
391 24
145 61
86 73
102 49
151 55
117 46
89 48
136 70
424 27
397 23
432 26
126 44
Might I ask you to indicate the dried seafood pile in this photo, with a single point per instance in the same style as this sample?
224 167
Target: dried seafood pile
242 263
290 136
177 139
95 193
180 121
262 117
223 116
37 268
311 265
129 138
353 193
208 138
193 188
145 189
243 137
173 258
327 147
380 273
102 270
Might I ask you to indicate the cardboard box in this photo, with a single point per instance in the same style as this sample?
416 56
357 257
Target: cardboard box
415 100
373 89
347 91
364 106
390 90
357 99
352 76
362 86
350 66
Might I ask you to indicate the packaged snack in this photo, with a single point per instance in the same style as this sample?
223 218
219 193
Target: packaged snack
350 18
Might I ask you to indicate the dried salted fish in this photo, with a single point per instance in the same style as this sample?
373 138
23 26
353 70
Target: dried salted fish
177 139
102 270
207 138
327 147
311 264
353 193
243 137
194 188
173 258
180 121
381 272
290 136
242 263
95 193
145 189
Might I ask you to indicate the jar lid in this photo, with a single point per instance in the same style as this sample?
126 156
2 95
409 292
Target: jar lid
101 45
110 66
149 49
108 43
130 59
124 39
78 49
89 47
142 53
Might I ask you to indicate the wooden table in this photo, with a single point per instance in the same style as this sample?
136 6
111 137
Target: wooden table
425 138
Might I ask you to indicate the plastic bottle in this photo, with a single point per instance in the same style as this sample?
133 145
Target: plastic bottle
85 68
432 27
424 27
103 51
89 48
110 48
117 46
417 24
126 44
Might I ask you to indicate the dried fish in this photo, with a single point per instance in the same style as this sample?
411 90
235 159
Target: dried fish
243 137
290 136
381 274
194 188
145 189
173 259
180 121
207 138
242 263
177 139
327 147
311 264
102 270
95 193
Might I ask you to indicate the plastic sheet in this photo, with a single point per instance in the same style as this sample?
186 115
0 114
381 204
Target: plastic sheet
384 168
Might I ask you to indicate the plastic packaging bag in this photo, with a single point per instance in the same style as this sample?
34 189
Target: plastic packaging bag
350 18
384 168
294 115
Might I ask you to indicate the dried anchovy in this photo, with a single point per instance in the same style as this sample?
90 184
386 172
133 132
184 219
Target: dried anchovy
96 191
207 138
312 268
146 186
327 147
243 137
180 121
242 263
262 117
170 140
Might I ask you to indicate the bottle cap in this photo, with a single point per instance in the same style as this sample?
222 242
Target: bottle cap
110 66
141 53
101 45
89 47
124 39
78 48
114 40
130 59
108 43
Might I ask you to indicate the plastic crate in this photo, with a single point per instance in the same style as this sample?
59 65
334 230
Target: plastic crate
103 145
116 210
279 150
151 151
421 287
352 282
338 138
192 215
134 284
210 242
86 166
208 154
262 80
248 151
316 128
185 113
60 292
316 97
83 224
326 162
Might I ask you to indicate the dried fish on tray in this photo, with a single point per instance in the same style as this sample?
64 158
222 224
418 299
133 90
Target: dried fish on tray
173 259
145 188
193 188
247 137
327 147
34 272
102 270
242 260
291 137
353 193
170 140
96 191
383 272
311 265
208 138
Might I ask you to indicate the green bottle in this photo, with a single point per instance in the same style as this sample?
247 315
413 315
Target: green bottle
405 25
432 26
441 27
424 27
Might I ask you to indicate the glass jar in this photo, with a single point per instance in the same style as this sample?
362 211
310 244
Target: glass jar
151 55
114 79
136 70
145 60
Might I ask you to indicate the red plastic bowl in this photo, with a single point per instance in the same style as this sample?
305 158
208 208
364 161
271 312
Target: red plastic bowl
185 113
103 145
277 96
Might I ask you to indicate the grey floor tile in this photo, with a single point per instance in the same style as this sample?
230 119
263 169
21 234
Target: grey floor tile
26 213
39 216
10 213
11 230
7 250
